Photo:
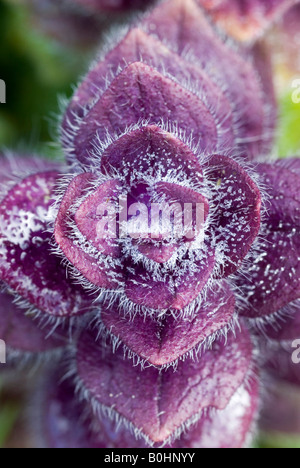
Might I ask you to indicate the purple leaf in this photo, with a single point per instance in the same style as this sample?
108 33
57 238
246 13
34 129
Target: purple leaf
159 404
91 268
161 342
185 27
285 420
21 333
246 20
62 422
142 93
280 361
230 428
175 293
237 211
272 281
101 6
27 264
164 66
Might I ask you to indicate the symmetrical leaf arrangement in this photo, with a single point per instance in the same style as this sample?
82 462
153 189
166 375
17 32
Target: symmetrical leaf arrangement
158 343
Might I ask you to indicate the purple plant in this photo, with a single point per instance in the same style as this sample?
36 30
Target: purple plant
246 19
83 23
168 336
113 5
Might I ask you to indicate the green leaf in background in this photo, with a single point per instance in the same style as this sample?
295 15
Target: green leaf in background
288 143
9 412
36 70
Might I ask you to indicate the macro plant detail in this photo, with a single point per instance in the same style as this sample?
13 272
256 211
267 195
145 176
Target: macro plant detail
167 338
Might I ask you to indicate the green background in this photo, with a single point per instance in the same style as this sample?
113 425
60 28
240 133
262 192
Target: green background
38 71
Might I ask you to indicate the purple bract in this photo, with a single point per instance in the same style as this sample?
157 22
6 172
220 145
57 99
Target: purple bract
162 325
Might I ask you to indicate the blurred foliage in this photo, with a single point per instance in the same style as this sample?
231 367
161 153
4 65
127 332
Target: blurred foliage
37 70
289 126
277 440
9 412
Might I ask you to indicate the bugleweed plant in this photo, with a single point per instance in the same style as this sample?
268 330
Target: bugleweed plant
147 336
